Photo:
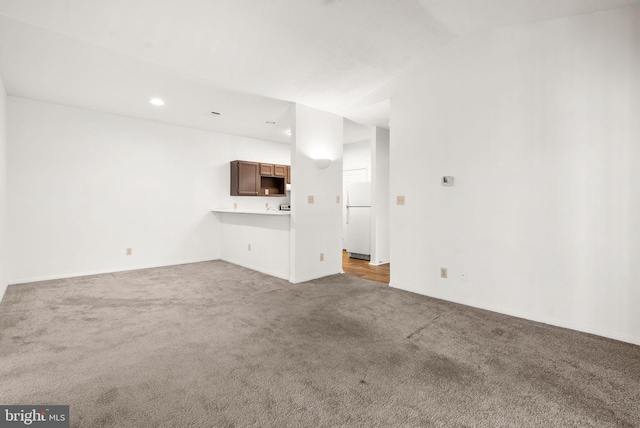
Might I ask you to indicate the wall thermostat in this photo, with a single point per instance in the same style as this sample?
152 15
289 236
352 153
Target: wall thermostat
447 180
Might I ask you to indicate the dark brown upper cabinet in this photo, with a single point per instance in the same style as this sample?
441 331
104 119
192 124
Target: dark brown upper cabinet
273 170
245 178
280 171
267 169
259 179
272 186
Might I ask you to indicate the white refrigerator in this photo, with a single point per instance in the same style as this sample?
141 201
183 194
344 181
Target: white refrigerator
358 213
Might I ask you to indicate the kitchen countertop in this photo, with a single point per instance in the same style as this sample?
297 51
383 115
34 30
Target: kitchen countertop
245 211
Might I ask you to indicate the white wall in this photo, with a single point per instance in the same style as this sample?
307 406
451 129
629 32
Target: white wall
3 190
83 186
258 242
540 126
315 228
380 200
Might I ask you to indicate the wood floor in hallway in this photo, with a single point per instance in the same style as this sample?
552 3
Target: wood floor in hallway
362 269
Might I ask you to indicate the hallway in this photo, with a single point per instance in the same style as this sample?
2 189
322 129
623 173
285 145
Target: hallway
362 269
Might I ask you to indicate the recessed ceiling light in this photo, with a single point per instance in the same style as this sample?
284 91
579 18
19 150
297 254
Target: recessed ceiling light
270 122
288 132
156 101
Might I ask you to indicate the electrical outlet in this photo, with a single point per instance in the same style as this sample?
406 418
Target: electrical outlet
400 200
249 247
447 180
443 272
337 199
235 205
310 199
266 205
321 257
129 251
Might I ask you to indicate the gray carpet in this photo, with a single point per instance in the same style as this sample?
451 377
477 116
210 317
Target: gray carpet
216 345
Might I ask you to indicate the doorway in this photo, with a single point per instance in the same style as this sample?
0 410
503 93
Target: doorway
358 175
364 269
366 162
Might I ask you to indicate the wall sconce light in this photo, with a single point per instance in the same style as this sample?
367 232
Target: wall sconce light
323 163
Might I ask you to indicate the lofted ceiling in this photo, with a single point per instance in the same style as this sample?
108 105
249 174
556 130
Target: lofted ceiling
247 59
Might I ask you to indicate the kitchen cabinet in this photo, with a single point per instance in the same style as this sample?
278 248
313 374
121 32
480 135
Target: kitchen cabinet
280 171
245 178
271 186
259 179
267 169
273 170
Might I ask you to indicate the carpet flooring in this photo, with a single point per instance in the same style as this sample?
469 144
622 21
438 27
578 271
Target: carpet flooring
216 345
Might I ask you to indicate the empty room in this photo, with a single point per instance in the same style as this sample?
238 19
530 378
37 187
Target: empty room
380 213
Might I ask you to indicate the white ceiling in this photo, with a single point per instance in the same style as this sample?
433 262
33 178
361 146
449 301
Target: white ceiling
248 59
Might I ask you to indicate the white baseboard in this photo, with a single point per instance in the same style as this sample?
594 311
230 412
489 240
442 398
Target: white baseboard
525 315
312 277
3 288
265 271
100 272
